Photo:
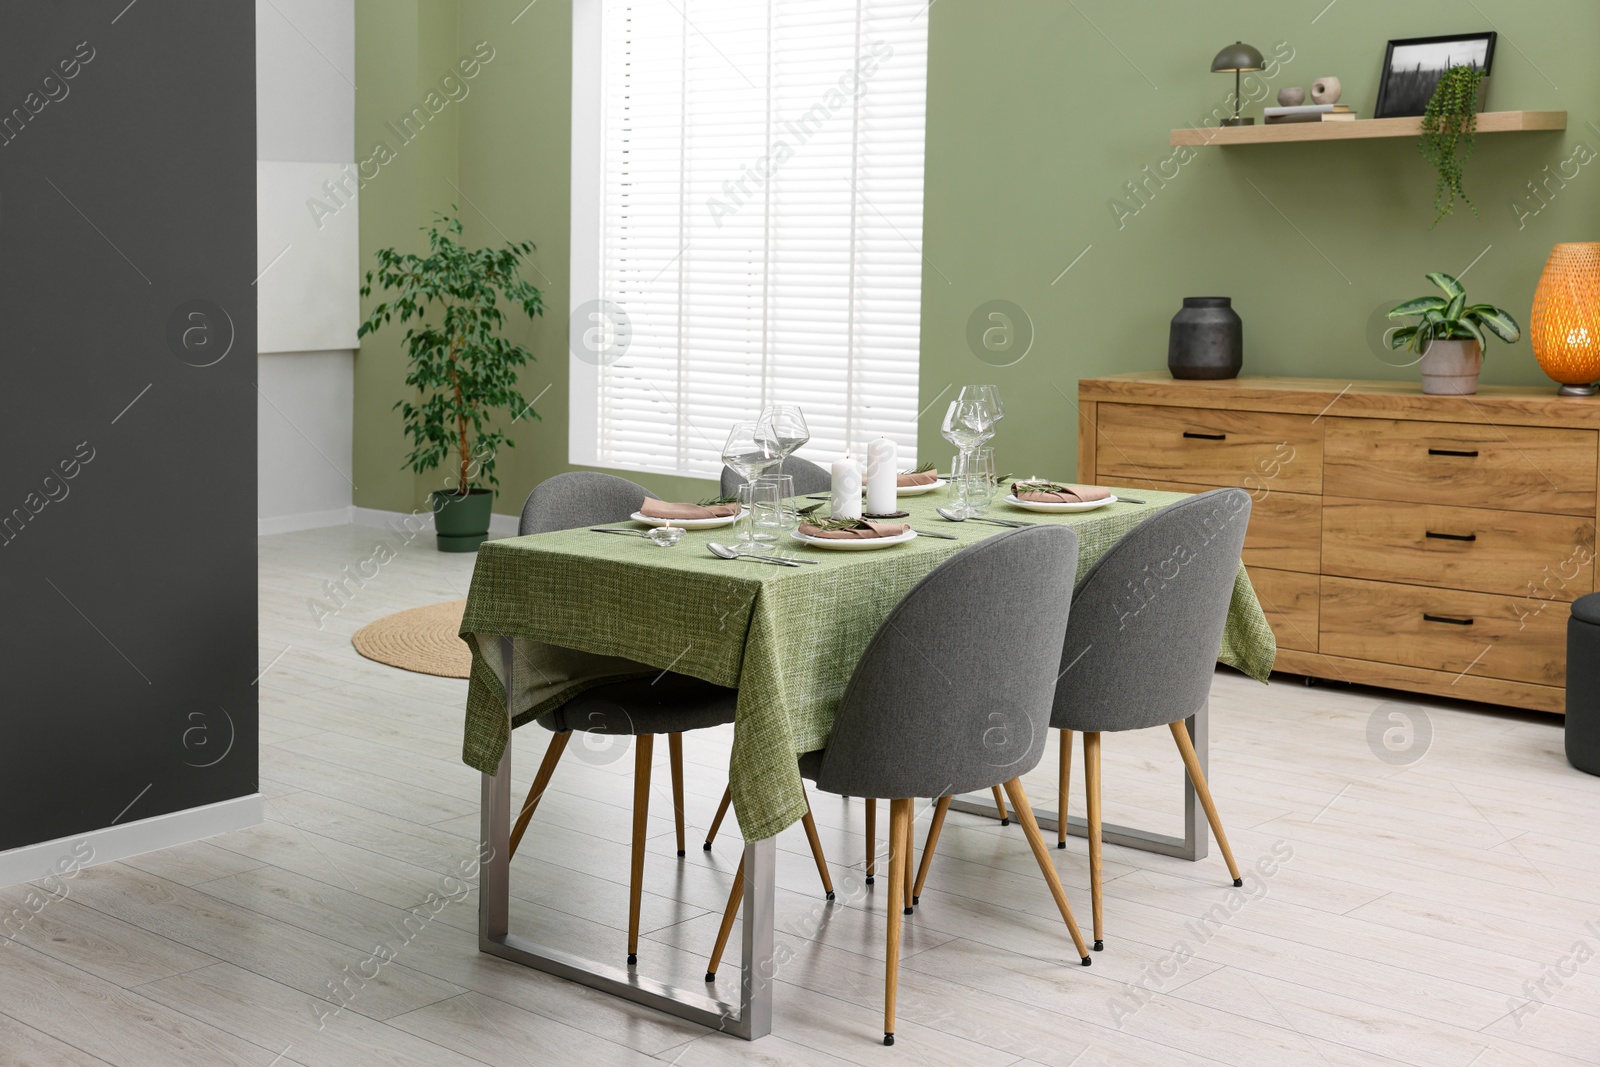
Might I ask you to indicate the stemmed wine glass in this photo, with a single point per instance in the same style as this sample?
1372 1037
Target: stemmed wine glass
785 426
968 422
750 451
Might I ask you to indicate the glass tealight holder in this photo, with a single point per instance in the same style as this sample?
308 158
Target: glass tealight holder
666 536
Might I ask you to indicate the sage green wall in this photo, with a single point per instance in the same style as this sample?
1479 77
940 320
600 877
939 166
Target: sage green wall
1037 119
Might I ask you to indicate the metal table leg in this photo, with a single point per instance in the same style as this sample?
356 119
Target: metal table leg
1194 843
750 1018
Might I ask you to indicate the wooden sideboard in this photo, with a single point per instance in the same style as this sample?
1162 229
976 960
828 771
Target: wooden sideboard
1424 543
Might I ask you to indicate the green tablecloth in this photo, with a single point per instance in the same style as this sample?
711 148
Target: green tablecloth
787 637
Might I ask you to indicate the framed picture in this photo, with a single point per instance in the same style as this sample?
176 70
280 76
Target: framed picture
1413 67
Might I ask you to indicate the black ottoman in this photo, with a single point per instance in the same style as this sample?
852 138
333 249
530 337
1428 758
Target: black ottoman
1583 684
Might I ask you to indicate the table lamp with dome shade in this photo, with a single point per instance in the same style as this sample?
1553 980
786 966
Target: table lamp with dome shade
1236 59
1565 325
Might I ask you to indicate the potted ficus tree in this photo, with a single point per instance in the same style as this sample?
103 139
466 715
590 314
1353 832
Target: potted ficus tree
1449 336
464 369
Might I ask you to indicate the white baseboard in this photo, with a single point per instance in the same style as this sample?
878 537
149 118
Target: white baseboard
499 525
32 862
310 520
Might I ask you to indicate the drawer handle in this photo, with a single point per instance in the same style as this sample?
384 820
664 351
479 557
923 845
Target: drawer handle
1205 436
1466 453
1445 618
1452 537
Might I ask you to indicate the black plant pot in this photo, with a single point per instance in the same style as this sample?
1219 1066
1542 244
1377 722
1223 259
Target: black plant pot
1207 340
462 522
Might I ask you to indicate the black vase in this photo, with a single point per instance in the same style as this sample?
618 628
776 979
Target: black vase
1207 340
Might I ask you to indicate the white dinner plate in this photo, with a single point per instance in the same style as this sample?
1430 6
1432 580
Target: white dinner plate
840 544
1081 505
918 490
687 524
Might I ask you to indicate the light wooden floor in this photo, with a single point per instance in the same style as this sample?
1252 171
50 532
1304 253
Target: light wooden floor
1414 911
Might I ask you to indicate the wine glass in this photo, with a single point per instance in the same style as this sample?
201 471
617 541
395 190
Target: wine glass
749 452
989 396
967 424
785 426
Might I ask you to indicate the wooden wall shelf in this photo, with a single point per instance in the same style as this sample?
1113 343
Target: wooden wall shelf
1361 129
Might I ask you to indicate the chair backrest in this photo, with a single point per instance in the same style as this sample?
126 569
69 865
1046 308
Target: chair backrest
579 498
953 692
808 477
1147 618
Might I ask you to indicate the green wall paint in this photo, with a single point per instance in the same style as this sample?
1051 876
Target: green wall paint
1037 119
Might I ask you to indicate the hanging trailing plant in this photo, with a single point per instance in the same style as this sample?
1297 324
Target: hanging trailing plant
1449 128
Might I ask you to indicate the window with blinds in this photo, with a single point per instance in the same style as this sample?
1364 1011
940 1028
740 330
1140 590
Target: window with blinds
747 224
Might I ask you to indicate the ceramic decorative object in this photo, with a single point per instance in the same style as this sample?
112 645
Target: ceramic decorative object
1326 91
1206 341
1451 368
1291 96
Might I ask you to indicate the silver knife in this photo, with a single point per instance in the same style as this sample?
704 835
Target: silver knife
616 530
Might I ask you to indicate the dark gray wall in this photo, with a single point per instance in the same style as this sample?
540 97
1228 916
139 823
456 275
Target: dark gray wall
127 533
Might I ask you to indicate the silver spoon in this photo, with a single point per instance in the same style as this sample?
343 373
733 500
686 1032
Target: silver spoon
728 553
956 516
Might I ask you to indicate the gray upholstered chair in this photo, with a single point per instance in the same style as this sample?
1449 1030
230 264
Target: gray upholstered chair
663 703
952 694
1141 650
808 477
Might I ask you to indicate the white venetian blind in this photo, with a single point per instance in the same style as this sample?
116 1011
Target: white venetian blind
748 192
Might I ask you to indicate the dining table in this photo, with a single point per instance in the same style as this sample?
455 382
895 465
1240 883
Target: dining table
550 615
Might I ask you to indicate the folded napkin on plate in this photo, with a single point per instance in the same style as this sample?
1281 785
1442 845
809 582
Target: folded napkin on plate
866 529
917 478
660 509
1056 493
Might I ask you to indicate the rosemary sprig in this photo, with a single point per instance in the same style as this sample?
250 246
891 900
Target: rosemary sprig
841 524
925 468
1041 487
719 500
812 508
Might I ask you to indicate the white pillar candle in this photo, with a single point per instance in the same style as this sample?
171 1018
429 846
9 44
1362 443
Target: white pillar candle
845 500
882 474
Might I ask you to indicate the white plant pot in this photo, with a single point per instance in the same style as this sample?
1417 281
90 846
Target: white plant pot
1451 368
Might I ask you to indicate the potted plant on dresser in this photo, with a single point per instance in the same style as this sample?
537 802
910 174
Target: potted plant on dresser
1449 336
462 366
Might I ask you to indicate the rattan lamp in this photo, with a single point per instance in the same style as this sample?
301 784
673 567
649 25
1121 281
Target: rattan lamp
1565 327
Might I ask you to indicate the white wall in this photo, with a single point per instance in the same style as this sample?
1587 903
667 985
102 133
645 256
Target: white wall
307 291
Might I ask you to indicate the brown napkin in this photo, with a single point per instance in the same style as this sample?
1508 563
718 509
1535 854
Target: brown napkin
874 529
919 478
660 509
1070 494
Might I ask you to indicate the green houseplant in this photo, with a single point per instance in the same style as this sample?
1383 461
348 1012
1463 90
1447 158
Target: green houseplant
1449 336
1449 131
455 299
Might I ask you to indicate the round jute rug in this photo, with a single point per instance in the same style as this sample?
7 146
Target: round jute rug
424 640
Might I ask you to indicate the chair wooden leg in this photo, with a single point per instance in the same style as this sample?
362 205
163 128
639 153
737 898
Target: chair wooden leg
1000 806
1180 734
872 840
727 923
1062 783
939 812
716 823
1091 786
899 861
1019 804
816 849
675 750
541 781
911 872
644 752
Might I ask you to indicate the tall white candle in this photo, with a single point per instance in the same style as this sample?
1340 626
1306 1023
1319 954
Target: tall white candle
844 501
882 474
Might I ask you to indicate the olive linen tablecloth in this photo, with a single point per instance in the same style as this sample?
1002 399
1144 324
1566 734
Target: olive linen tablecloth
587 608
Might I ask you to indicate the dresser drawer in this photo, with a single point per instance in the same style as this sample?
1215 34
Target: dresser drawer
1285 528
1254 450
1289 601
1514 553
1511 468
1444 630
